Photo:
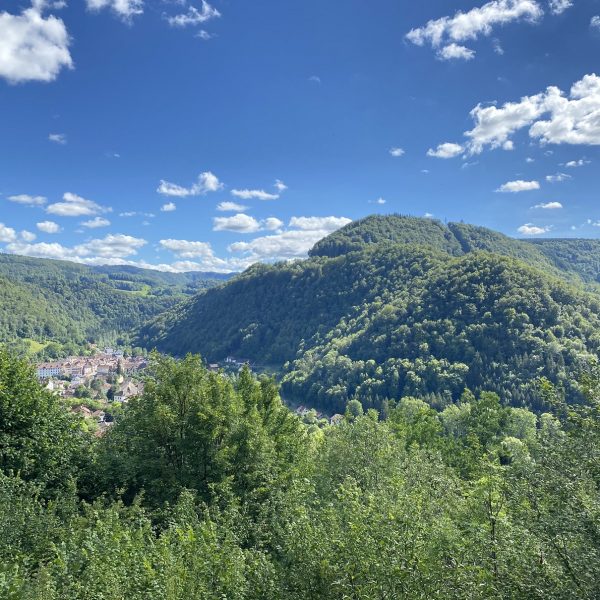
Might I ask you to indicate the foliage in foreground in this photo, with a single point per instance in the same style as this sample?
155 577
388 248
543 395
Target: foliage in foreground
209 488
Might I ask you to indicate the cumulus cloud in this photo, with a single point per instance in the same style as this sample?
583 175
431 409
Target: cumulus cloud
530 229
552 117
549 205
96 222
281 187
446 150
187 249
111 249
75 206
378 201
28 200
33 47
112 245
124 9
27 236
397 152
231 207
7 234
58 138
519 186
168 207
295 242
241 223
48 227
193 16
207 182
595 22
446 33
455 52
254 195
557 177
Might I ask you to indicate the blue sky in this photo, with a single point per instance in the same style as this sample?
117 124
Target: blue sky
192 135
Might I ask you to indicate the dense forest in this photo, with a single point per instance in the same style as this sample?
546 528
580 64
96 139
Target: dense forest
207 487
395 306
56 307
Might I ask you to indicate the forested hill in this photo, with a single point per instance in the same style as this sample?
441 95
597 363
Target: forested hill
573 259
57 306
397 316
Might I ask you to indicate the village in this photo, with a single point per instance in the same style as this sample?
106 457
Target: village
95 386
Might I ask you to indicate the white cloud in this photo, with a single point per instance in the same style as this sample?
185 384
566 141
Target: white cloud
194 16
33 47
328 224
529 159
207 182
75 206
7 234
231 206
479 21
552 117
111 249
397 152
529 229
498 49
455 52
168 207
519 186
27 236
241 223
246 224
446 150
254 194
124 9
549 205
96 222
303 234
187 249
48 227
577 163
272 224
557 178
281 187
595 22
314 79
558 7
112 245
28 200
58 138
378 201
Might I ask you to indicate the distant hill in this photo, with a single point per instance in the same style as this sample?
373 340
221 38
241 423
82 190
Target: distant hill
393 306
66 304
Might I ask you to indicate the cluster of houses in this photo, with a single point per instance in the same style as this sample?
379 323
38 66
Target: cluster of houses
65 376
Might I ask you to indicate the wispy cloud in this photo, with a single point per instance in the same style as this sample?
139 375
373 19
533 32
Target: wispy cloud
246 194
207 182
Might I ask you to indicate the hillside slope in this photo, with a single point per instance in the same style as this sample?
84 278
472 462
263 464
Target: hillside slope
70 304
387 319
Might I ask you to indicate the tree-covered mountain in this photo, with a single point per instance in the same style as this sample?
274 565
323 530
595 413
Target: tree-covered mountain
394 306
67 304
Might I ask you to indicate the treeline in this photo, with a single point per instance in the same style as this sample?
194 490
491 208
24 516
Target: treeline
208 487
